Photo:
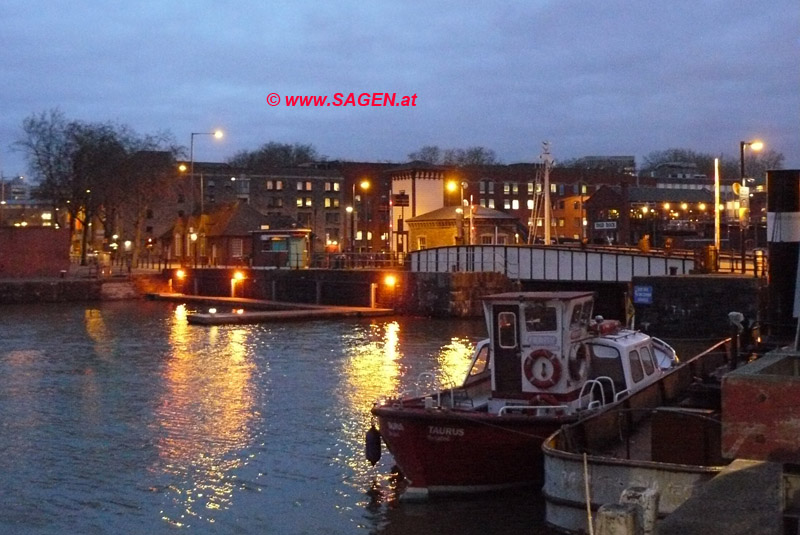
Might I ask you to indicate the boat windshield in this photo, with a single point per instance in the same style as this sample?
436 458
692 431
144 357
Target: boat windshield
481 360
541 317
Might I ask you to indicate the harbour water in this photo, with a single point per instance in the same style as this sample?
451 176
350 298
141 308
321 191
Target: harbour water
122 418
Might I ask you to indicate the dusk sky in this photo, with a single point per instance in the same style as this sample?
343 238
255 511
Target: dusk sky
610 77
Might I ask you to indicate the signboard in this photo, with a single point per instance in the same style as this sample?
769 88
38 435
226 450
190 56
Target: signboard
605 225
643 295
400 199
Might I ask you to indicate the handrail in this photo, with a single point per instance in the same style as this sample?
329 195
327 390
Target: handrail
507 408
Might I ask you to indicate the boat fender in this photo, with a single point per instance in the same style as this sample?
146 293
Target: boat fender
578 362
373 445
542 369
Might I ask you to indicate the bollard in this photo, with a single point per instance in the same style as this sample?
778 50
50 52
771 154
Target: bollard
618 519
647 500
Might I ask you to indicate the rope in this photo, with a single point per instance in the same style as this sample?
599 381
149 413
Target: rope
587 495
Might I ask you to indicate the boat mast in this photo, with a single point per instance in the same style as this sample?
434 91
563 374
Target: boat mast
547 159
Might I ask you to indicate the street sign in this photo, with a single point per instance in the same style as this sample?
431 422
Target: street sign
400 199
643 295
605 225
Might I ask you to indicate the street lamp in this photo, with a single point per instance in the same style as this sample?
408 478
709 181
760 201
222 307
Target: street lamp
364 185
451 187
217 134
744 199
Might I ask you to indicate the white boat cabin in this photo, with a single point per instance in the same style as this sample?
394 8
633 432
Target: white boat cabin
547 348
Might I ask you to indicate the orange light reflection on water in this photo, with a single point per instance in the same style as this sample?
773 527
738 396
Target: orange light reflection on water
204 417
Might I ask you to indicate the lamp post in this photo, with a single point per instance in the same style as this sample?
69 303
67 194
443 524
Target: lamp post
364 185
217 134
744 199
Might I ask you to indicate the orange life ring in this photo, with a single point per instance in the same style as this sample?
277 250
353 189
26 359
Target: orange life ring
542 369
578 362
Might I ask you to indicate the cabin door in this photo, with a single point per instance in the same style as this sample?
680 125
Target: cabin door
506 346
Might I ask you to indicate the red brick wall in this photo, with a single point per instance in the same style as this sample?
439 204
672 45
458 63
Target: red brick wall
33 252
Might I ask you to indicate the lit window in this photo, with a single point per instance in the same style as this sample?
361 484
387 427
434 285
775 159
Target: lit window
515 204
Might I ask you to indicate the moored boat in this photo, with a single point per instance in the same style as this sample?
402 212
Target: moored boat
546 362
665 438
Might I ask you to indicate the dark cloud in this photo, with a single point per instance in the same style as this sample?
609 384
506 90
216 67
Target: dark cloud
612 77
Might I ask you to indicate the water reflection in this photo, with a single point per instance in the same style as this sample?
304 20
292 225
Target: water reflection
203 418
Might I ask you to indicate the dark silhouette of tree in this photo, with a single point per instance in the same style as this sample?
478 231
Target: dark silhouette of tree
274 154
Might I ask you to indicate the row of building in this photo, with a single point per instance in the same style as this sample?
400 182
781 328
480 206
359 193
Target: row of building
210 216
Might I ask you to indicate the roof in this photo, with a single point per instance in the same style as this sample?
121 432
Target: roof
234 219
449 212
529 296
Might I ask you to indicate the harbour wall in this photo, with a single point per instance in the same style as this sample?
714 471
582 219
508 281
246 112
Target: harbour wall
671 306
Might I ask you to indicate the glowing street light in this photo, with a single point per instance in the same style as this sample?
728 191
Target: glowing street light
744 198
364 185
237 277
217 134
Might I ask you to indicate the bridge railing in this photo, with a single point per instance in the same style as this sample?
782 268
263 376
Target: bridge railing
556 263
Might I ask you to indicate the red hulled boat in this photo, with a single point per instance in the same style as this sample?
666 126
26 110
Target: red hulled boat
547 362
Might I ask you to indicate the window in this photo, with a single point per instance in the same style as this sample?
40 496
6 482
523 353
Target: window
561 222
491 188
307 201
422 242
530 187
482 202
332 218
637 374
304 218
486 239
149 214
507 330
331 202
514 188
237 248
506 188
299 185
647 361
481 360
332 186
553 188
515 204
540 317
576 205
299 202
502 239
506 204
529 204
606 362
482 187
274 185
491 203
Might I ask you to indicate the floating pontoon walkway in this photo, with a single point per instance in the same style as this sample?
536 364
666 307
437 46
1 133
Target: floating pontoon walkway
265 311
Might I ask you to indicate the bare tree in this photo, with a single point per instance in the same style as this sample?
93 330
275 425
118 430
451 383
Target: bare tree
274 154
470 156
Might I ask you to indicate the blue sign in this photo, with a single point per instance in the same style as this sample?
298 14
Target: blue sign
643 295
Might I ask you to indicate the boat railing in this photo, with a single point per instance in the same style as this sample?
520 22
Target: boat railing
597 384
541 410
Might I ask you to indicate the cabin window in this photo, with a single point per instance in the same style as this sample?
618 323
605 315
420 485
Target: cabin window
637 374
481 360
507 327
606 363
580 316
647 361
541 317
